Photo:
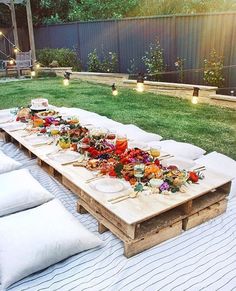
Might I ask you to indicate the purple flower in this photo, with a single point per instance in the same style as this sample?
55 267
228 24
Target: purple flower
164 186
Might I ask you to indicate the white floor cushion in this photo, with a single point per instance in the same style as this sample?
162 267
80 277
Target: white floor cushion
20 191
7 164
180 149
37 238
222 164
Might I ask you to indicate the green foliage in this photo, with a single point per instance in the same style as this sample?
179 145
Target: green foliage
108 63
42 74
154 60
213 69
100 9
133 69
179 65
93 62
58 11
64 57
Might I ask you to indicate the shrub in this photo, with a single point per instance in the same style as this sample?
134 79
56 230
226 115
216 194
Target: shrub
133 69
42 74
94 64
154 60
213 69
179 65
65 57
108 63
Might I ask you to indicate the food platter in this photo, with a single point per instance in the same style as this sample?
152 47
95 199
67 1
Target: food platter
48 113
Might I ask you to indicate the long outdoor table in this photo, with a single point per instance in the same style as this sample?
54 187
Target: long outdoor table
146 220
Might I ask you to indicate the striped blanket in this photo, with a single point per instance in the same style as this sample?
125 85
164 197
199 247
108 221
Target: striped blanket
203 258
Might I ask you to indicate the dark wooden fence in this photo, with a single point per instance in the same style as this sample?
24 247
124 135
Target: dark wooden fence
190 37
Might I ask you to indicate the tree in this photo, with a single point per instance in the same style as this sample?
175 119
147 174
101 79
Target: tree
57 11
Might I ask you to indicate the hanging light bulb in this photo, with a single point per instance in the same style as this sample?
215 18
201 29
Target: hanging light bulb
11 62
140 83
33 74
114 90
1 33
16 50
195 95
66 80
37 66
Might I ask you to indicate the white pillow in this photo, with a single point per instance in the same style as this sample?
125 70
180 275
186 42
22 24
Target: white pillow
137 134
37 238
8 164
180 149
19 191
222 164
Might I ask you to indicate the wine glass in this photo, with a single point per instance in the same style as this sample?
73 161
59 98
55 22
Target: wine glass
111 137
139 171
155 152
83 146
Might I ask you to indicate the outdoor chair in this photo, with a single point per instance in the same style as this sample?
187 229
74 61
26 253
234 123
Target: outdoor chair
23 61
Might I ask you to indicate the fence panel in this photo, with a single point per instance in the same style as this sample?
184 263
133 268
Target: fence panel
101 35
190 37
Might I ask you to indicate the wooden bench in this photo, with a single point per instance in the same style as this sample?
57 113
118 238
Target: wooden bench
23 62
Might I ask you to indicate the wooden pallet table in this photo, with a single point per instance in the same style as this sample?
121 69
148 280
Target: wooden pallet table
145 221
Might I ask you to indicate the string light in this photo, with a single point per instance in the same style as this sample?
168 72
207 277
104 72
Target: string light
114 90
140 83
11 62
33 74
66 80
195 95
37 66
1 33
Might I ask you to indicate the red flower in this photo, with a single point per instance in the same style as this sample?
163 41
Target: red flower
112 173
193 177
157 162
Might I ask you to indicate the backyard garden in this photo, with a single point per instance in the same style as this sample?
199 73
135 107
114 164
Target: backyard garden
117 145
210 127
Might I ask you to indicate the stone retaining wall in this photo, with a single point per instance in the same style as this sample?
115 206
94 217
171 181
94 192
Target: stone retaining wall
184 91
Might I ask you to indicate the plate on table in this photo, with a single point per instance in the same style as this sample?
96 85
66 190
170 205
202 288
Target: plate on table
35 140
48 113
181 163
14 126
65 157
109 185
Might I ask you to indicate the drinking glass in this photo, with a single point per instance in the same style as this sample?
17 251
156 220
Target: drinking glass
111 138
139 171
155 152
121 143
84 149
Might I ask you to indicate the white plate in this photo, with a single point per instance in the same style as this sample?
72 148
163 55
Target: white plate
64 157
109 185
38 139
181 163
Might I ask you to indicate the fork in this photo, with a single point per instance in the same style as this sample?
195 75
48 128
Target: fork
117 199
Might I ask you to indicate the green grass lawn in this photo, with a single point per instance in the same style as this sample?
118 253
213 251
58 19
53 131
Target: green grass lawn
210 127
